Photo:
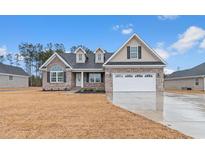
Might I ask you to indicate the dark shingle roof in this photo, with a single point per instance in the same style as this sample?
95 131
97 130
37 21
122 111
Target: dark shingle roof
195 71
135 63
8 69
90 61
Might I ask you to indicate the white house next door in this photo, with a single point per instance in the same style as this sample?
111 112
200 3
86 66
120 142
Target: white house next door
78 79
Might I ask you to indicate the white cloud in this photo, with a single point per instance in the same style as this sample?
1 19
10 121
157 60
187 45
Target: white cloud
160 49
124 29
3 50
168 71
202 44
167 17
116 27
127 31
188 39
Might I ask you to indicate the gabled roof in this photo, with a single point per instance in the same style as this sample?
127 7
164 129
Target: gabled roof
193 72
89 63
135 35
12 70
99 49
51 58
79 48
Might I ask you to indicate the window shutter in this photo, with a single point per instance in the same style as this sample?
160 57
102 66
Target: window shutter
64 76
128 52
139 52
87 77
102 77
48 77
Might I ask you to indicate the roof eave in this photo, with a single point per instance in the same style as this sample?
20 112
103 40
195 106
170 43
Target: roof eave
184 77
118 66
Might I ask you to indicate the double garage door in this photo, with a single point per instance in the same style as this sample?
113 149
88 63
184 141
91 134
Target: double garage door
123 82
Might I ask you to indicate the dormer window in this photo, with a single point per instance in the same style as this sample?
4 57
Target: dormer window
80 57
133 52
99 57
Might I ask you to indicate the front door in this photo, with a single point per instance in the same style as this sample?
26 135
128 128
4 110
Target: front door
78 79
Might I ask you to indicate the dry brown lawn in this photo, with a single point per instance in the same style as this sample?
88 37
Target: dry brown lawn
32 113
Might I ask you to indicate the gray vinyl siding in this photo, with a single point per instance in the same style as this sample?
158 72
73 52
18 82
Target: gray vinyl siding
17 82
180 83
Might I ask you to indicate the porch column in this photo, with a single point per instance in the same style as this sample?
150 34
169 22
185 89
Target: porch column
82 79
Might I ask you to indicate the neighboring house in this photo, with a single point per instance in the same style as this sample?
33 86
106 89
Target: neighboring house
12 77
193 79
133 67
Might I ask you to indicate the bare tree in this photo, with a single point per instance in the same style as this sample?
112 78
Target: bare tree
9 57
2 58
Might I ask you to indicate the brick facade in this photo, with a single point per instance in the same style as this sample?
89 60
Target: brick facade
109 71
58 86
107 85
100 86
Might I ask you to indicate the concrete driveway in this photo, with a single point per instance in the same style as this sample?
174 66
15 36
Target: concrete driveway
185 113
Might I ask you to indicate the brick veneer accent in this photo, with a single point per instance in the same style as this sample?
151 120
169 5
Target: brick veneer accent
109 71
100 86
58 86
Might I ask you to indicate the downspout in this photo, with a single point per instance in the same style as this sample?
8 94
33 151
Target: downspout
204 83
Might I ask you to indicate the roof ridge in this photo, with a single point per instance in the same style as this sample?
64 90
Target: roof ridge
10 65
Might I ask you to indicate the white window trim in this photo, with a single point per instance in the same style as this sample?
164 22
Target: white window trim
80 55
136 53
56 76
95 78
99 56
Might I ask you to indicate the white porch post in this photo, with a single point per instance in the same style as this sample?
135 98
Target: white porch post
82 80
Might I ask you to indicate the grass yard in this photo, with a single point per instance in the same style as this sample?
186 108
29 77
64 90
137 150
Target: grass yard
32 113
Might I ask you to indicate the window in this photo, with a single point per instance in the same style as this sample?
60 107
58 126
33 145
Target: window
148 76
60 76
99 57
94 77
138 76
10 77
196 82
128 76
118 75
56 74
133 52
80 57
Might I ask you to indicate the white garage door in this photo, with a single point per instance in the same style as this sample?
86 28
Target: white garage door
134 82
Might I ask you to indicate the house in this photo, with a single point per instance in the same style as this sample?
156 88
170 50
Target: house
192 79
12 77
133 67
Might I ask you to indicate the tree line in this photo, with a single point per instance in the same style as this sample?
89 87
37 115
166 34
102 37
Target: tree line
34 55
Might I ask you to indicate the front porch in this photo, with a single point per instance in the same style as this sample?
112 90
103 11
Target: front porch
68 80
89 80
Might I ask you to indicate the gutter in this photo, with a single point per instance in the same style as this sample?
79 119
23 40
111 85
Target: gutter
125 66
